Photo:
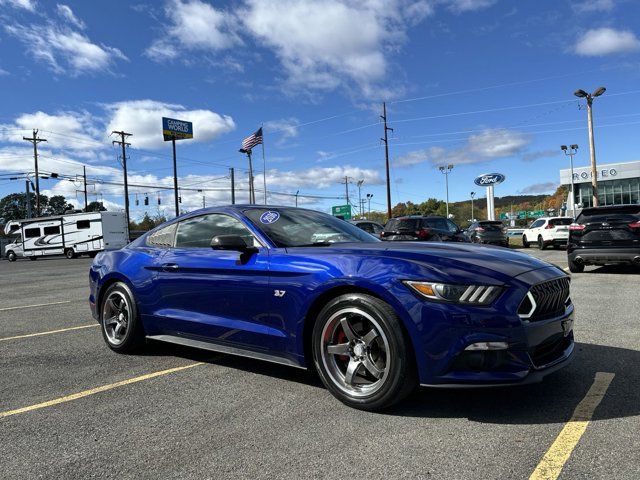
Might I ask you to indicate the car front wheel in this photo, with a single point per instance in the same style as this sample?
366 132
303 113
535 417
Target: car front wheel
121 327
11 256
362 354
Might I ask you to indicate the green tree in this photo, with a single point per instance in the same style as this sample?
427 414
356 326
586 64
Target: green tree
14 206
58 205
96 207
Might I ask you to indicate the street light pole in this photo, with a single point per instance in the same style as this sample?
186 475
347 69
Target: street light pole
592 147
473 194
570 152
360 182
446 170
369 195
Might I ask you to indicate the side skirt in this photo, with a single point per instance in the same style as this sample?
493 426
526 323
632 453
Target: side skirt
216 347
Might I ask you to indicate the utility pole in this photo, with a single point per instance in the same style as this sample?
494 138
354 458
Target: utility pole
35 140
84 174
360 182
123 143
233 186
297 192
346 188
386 156
369 195
26 184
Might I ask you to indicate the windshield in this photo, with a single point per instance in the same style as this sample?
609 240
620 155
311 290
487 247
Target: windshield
492 226
560 221
292 227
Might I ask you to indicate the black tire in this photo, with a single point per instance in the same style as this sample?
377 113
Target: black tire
133 337
525 243
69 253
93 254
541 244
575 267
11 256
390 347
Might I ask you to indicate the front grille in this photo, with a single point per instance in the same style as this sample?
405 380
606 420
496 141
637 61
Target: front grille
545 300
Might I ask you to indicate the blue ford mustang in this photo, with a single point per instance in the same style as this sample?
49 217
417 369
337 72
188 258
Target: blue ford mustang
305 289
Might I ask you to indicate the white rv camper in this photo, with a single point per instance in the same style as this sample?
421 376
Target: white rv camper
70 235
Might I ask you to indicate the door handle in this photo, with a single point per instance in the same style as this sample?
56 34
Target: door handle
170 267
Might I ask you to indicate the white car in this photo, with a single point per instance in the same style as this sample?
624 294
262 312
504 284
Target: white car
547 231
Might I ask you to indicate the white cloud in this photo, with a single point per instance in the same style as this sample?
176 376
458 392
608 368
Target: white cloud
64 49
3 72
488 145
143 118
606 41
67 14
460 6
193 25
322 42
319 177
593 6
543 187
29 5
285 128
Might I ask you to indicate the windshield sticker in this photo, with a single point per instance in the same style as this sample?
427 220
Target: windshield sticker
269 217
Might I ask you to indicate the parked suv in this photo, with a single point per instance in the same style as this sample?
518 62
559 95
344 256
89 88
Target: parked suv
605 235
488 231
547 231
374 228
431 228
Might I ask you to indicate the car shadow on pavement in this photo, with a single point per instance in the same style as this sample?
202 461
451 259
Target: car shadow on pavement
551 401
614 269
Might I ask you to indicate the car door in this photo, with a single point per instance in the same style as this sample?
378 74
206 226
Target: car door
215 295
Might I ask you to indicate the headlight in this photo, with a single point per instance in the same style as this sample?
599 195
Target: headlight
468 294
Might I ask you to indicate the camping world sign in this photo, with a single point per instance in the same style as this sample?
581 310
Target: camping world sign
489 179
173 129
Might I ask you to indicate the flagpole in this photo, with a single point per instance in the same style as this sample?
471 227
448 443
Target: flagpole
264 169
252 192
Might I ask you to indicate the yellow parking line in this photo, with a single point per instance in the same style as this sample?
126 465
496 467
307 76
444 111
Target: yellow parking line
93 391
33 306
48 332
553 461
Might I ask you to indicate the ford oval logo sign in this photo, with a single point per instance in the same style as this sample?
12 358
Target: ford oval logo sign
488 179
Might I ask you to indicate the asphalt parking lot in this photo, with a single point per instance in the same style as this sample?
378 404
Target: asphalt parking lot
77 410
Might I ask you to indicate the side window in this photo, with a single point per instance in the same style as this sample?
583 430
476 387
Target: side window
32 232
376 228
537 224
367 227
54 230
452 227
83 224
163 238
197 232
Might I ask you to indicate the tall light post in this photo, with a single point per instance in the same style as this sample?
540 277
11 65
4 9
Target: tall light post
570 152
592 146
473 194
297 193
446 170
369 195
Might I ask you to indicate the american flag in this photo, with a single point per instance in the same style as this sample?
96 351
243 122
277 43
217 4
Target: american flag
252 140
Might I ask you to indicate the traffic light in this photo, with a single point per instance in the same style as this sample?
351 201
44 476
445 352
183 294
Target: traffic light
180 199
146 200
159 200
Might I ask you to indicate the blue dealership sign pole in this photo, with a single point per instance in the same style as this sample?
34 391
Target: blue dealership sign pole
173 130
175 176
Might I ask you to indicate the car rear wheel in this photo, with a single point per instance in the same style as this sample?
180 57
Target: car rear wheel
69 253
121 327
361 352
541 244
575 267
11 256
525 243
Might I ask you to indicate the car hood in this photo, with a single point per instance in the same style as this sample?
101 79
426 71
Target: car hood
447 259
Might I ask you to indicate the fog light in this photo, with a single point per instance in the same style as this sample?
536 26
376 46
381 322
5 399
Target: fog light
487 346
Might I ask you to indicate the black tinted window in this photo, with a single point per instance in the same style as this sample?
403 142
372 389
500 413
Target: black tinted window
197 232
31 232
630 213
82 224
491 226
52 230
560 221
402 224
436 223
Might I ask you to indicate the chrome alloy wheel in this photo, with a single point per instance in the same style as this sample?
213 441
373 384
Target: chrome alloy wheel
355 352
116 314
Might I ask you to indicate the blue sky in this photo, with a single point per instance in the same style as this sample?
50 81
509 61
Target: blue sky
483 84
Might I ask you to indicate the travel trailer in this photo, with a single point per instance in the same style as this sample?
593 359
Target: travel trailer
70 235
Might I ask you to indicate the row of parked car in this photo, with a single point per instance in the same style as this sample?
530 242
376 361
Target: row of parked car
598 236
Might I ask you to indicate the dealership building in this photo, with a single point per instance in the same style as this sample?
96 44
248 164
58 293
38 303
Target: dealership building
618 183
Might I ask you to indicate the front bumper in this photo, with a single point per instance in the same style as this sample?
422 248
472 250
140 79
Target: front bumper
604 256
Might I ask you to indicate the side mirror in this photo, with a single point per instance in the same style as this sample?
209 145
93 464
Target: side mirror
231 242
